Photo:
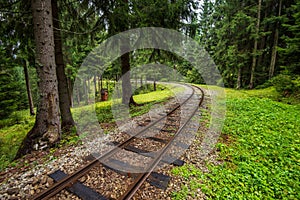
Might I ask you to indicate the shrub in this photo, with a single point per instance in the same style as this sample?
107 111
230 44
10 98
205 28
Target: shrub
286 85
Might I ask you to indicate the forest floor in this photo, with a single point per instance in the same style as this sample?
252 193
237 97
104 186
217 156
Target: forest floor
259 151
257 155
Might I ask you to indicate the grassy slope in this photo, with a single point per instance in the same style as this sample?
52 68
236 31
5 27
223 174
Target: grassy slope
260 158
12 136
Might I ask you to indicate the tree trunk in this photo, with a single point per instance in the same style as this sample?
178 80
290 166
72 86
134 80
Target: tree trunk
136 81
86 95
99 86
263 41
251 85
78 96
46 130
239 79
125 65
126 86
101 83
275 44
30 102
95 84
70 89
67 121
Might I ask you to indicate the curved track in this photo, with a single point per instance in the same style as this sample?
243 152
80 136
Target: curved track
141 178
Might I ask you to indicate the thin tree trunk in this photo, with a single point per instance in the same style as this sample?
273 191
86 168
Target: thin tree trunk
239 79
136 81
46 130
275 44
101 83
95 84
263 42
67 121
126 85
86 95
125 64
78 96
30 102
70 89
88 89
251 85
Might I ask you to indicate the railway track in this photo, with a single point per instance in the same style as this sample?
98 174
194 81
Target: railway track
167 141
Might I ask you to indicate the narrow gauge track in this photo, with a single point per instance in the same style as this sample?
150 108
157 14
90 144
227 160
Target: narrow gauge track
141 177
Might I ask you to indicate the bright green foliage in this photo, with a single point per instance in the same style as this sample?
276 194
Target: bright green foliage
258 151
11 136
12 91
263 160
191 173
187 171
286 85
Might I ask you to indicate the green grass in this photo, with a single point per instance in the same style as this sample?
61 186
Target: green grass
261 155
16 129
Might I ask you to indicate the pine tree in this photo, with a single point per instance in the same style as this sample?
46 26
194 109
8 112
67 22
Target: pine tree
46 130
254 56
67 121
290 53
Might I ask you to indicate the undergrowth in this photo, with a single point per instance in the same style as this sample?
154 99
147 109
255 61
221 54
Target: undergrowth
261 158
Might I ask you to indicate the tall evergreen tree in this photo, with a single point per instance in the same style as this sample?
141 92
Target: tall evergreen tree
275 43
290 52
67 121
46 130
15 42
256 37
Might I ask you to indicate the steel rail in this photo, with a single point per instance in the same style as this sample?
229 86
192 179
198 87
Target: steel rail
133 188
72 178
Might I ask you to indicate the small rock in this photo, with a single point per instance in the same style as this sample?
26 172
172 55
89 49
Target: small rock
13 198
44 180
50 181
35 181
12 191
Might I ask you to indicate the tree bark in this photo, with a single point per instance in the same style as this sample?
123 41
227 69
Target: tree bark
126 85
275 44
46 130
95 85
88 89
239 79
251 85
263 40
70 91
30 101
86 93
125 65
67 121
